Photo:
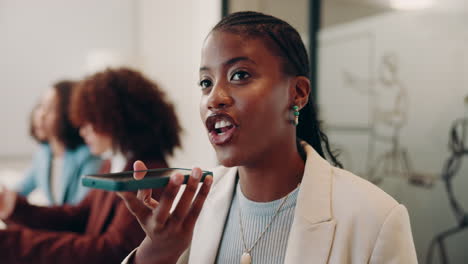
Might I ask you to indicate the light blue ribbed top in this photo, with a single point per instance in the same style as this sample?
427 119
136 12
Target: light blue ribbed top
271 248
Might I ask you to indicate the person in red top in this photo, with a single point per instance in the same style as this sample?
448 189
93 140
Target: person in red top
123 117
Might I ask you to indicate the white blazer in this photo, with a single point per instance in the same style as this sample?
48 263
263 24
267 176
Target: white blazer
339 218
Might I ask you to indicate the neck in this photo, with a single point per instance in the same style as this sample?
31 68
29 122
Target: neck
57 147
274 176
119 162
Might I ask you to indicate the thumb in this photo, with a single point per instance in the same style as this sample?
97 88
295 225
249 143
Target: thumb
140 169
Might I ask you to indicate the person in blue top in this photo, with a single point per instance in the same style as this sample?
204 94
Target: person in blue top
63 157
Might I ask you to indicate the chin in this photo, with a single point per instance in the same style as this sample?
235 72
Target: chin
228 159
227 163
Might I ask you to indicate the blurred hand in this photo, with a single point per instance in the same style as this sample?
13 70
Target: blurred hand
7 202
168 234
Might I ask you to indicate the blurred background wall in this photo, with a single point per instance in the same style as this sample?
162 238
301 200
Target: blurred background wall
48 40
43 41
390 88
171 34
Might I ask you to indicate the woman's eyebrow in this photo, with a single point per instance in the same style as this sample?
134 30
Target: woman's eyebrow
230 62
237 59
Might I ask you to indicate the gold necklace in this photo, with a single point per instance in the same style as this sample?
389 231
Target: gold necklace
246 258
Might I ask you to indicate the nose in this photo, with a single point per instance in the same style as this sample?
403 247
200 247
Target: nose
219 97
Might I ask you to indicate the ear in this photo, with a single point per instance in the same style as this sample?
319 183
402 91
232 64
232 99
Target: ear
300 91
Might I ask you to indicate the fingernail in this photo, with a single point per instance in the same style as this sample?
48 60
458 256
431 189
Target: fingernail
209 180
196 174
176 179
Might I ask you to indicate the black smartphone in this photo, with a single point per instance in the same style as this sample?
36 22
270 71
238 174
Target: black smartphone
124 181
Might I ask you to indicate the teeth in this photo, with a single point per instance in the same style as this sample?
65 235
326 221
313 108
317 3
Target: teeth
222 123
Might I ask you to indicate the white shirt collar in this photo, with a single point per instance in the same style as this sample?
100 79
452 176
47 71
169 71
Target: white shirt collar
117 159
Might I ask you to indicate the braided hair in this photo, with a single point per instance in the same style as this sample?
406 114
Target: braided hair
287 43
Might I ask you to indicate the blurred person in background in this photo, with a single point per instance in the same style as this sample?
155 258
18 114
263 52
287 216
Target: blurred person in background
36 131
122 116
63 157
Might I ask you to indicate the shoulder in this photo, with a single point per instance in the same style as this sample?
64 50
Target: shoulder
362 209
82 153
369 222
43 151
42 155
83 156
353 196
350 187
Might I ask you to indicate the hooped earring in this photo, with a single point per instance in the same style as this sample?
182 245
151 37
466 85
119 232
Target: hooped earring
296 115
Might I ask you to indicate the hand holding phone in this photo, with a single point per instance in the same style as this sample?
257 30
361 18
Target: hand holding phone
168 234
136 180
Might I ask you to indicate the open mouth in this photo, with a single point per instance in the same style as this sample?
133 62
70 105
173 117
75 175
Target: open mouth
221 128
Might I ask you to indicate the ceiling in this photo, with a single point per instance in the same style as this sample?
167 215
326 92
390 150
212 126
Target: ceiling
410 4
341 11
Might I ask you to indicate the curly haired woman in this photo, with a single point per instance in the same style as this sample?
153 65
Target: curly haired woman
123 116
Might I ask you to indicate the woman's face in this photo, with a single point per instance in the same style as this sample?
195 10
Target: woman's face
37 124
48 113
98 143
245 101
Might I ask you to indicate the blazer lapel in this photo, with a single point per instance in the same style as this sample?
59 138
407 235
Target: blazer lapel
204 246
313 228
310 243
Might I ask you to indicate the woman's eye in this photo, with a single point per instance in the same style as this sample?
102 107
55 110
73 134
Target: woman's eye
205 84
240 75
